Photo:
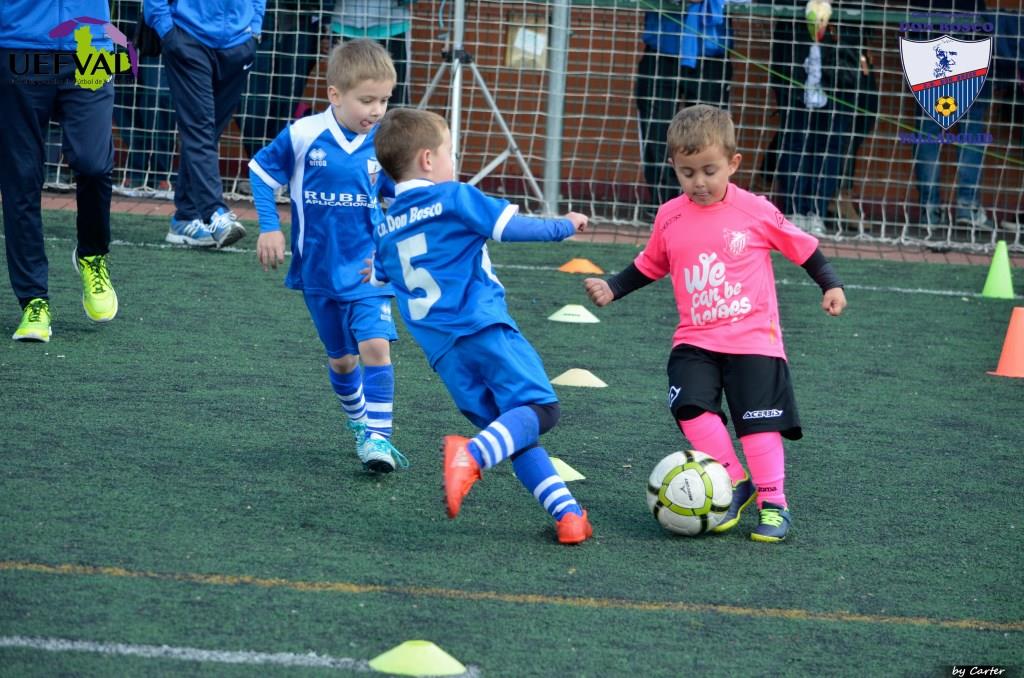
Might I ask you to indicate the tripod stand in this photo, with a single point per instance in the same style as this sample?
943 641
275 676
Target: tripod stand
455 59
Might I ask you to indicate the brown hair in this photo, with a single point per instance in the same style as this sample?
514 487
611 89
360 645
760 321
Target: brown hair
356 61
697 127
402 134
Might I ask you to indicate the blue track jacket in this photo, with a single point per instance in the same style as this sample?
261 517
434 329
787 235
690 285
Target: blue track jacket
219 25
26 24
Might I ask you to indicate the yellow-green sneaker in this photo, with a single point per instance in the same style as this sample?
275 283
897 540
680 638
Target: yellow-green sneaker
35 322
98 296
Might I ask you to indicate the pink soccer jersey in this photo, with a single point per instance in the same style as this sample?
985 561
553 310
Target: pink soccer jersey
719 257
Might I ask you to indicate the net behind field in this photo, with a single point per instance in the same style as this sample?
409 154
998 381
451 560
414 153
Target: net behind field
599 164
182 477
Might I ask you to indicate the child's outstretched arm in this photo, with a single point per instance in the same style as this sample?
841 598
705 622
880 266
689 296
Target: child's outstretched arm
834 298
603 292
534 229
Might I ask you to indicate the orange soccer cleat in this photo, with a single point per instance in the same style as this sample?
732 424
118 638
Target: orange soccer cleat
573 529
460 472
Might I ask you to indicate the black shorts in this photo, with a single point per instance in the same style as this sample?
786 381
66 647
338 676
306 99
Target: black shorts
757 387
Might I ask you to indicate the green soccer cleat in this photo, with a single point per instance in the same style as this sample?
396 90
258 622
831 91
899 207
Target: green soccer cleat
775 523
35 322
98 296
743 493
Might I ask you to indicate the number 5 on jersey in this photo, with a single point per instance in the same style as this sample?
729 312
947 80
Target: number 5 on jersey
417 278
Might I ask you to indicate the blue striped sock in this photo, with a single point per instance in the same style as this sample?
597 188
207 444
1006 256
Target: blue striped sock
349 389
379 386
515 430
537 474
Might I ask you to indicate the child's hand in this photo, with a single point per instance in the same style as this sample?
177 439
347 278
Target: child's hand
270 249
579 221
834 301
598 291
367 272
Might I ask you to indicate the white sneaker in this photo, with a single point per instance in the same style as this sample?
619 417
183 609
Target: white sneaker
973 216
225 228
809 223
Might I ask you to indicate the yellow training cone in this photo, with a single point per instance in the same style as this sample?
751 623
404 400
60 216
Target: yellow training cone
565 472
578 377
573 313
580 266
417 658
999 283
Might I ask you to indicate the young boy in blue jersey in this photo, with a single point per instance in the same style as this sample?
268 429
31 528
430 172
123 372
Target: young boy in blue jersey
330 166
431 245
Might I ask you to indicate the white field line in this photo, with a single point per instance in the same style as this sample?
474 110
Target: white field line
523 267
195 654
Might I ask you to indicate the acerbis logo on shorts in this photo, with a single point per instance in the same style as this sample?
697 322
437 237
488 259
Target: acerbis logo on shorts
385 311
762 414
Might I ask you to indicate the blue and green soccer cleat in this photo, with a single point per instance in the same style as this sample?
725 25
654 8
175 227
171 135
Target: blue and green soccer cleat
35 322
380 456
743 493
98 296
775 523
358 430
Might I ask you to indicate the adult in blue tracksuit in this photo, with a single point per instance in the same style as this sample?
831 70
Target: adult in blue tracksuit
208 47
684 63
37 84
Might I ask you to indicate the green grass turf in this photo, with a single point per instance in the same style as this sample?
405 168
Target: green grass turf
197 435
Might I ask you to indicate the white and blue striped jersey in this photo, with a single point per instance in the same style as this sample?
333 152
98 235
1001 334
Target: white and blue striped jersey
335 182
432 247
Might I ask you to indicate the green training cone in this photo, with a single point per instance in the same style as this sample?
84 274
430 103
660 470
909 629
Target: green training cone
417 658
999 283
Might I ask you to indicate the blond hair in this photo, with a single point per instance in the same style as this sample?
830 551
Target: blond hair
402 134
357 61
696 128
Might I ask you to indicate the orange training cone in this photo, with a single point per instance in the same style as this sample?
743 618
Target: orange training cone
580 266
1011 362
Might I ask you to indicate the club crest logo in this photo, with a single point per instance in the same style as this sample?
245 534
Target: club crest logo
735 242
946 75
317 157
373 169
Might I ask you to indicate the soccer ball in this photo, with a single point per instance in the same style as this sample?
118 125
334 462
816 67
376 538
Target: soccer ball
689 493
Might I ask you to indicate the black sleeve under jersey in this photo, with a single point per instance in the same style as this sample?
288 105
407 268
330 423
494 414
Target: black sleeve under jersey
628 280
819 268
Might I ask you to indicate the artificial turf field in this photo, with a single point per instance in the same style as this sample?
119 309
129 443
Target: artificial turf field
182 477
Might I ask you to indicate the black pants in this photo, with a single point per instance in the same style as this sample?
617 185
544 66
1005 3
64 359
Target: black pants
27 104
206 86
663 87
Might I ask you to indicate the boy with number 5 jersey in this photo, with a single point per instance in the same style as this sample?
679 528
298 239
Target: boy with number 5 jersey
432 247
715 241
330 166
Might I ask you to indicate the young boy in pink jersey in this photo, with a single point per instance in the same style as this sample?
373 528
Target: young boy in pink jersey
715 241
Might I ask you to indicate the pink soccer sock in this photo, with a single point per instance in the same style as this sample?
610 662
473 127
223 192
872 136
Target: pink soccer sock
766 458
708 434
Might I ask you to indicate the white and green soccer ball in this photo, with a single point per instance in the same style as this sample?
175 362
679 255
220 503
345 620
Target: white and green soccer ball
689 493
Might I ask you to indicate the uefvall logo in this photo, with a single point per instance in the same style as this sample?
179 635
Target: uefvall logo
946 75
93 67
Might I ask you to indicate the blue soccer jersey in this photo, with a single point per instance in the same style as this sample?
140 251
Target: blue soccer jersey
335 182
432 247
